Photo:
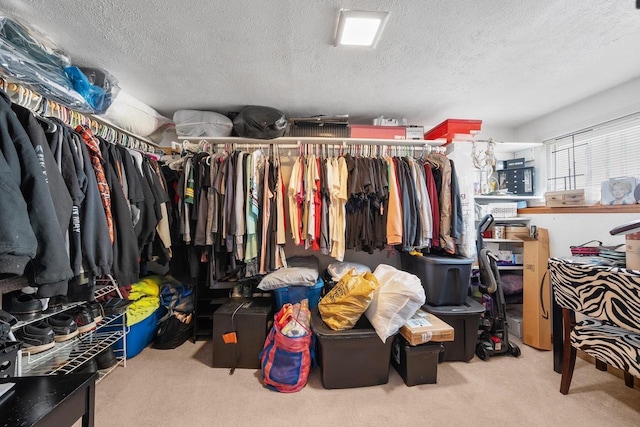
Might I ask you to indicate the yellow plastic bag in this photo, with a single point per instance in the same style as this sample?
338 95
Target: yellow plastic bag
341 308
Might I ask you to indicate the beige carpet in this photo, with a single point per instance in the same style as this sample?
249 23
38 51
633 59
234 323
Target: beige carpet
179 388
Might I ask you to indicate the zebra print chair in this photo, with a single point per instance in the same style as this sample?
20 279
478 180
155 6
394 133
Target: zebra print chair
610 297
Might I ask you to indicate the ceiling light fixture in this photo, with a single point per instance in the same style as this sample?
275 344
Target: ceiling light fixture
360 28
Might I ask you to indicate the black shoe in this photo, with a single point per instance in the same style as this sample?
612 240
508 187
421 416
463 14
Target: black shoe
84 320
106 359
116 306
23 306
36 337
96 311
88 367
56 303
8 318
64 327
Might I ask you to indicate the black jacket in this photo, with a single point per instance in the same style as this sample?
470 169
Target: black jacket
20 167
97 250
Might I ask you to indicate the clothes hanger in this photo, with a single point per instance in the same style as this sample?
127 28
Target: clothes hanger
51 127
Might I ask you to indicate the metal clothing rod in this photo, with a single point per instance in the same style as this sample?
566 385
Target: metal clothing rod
40 105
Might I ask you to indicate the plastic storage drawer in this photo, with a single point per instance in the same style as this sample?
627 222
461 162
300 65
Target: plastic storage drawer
465 320
295 294
445 279
416 364
352 358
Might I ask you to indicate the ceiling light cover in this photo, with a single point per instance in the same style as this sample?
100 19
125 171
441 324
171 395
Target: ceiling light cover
360 28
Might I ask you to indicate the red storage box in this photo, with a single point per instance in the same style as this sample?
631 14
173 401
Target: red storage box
450 127
378 132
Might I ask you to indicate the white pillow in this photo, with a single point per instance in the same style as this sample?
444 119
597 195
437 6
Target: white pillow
292 276
133 115
398 297
195 123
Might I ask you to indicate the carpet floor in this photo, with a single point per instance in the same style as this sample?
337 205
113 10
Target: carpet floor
179 388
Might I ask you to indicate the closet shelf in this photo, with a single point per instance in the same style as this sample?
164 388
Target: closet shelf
513 219
74 356
42 316
503 240
316 140
59 354
507 198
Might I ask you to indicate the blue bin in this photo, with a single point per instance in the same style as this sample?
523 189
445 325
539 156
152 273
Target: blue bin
141 334
295 294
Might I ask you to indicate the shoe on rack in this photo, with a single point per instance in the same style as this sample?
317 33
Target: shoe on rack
116 306
8 318
64 327
56 303
84 320
23 306
106 358
88 367
237 291
96 310
36 337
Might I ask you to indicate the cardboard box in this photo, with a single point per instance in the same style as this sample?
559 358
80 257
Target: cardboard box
378 132
424 327
414 132
536 296
514 320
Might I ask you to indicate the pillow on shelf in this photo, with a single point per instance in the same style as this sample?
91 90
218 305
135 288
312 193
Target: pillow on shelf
292 276
133 115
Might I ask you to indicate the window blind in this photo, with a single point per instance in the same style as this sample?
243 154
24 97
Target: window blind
585 158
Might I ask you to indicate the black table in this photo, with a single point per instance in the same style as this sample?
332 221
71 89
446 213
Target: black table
55 400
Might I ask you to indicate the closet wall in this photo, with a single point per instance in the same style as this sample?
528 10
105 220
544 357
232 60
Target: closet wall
607 105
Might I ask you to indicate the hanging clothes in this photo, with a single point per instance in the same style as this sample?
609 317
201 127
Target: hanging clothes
44 244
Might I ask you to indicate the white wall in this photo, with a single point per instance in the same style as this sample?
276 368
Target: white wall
611 104
567 230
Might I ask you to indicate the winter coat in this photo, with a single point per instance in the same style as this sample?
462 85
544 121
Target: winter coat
19 167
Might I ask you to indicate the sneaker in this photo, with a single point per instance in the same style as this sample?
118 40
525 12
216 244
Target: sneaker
237 291
64 327
116 306
36 337
56 304
96 311
106 358
84 320
23 306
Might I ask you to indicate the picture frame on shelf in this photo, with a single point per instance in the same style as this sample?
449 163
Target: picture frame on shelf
618 191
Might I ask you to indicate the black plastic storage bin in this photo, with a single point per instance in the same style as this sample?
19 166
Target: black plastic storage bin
416 364
250 319
465 320
353 358
445 279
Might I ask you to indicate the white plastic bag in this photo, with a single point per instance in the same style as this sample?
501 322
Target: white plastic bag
194 123
398 298
338 269
133 115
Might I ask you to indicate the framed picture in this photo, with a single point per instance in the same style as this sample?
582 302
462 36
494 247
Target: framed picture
502 180
618 191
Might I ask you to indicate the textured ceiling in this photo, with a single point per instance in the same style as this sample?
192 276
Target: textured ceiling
505 62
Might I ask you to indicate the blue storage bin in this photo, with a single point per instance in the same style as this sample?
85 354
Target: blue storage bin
141 334
295 294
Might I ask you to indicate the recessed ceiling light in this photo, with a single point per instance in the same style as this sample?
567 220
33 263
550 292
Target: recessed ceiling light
360 28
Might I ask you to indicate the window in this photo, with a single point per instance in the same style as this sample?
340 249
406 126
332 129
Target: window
586 158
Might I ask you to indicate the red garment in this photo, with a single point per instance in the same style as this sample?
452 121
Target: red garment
93 147
435 205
